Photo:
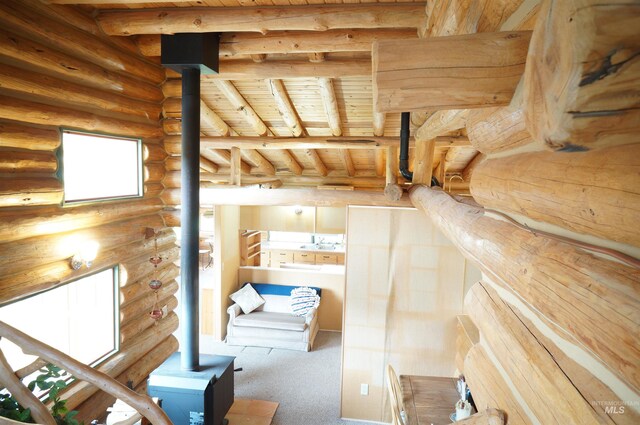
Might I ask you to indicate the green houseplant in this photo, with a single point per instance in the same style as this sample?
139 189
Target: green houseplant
52 379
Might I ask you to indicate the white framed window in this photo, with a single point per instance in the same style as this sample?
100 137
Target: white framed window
80 318
100 167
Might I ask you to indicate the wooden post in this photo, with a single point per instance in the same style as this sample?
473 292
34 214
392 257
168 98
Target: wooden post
235 167
392 190
416 75
378 123
423 162
582 70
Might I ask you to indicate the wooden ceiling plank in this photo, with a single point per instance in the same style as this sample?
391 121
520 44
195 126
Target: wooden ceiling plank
263 165
261 19
320 167
287 42
285 106
348 162
238 101
330 104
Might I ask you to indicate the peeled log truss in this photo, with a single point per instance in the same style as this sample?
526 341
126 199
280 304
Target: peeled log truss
304 72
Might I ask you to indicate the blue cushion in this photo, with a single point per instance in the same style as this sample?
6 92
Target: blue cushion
273 289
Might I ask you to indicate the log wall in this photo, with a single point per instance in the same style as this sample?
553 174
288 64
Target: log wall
557 311
58 69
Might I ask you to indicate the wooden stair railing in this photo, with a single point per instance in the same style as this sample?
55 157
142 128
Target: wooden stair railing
142 403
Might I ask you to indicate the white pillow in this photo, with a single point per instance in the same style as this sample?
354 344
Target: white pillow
247 298
303 300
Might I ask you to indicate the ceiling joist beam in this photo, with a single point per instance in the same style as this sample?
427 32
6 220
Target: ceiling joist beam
330 104
289 196
261 19
285 107
211 119
172 143
348 162
335 178
379 119
208 165
242 106
223 156
292 164
288 42
261 163
317 162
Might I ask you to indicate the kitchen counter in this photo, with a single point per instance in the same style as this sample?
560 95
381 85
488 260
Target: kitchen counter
295 246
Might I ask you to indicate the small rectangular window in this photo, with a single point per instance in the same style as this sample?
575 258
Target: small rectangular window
79 319
97 167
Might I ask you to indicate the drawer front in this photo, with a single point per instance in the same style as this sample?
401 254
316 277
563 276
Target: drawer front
304 258
281 256
264 258
326 259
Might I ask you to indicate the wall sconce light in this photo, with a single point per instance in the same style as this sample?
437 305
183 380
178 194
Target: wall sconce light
298 210
85 255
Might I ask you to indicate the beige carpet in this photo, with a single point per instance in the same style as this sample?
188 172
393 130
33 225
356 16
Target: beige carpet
251 412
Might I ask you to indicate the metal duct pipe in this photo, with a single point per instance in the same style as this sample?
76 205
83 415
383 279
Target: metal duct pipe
405 120
190 200
404 146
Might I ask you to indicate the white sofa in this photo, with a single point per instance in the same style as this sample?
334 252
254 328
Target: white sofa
272 324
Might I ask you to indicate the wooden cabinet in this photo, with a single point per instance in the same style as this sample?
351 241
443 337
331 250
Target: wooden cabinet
265 258
279 257
250 242
326 259
304 258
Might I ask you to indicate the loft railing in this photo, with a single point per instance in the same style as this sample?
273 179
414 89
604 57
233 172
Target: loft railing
11 380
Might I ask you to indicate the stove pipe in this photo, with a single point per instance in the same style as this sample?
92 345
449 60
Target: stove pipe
190 200
190 54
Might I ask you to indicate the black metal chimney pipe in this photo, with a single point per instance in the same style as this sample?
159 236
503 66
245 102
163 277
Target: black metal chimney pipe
404 146
189 217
